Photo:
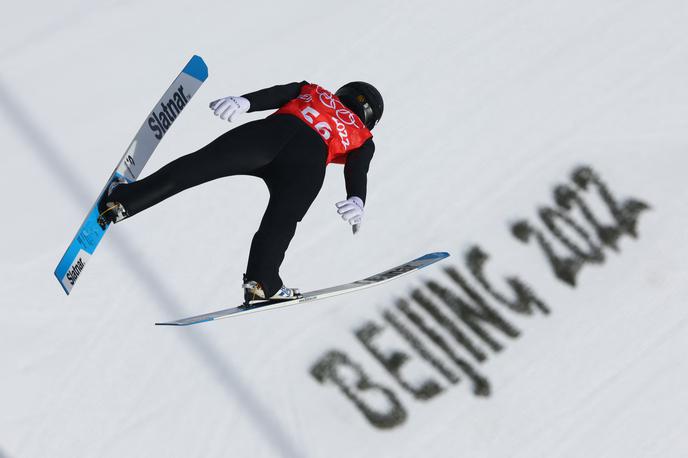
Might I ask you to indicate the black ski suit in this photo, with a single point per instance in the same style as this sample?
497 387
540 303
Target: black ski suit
282 150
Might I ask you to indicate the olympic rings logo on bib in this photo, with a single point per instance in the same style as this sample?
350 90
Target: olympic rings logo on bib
326 114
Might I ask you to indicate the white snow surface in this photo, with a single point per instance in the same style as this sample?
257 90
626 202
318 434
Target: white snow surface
489 105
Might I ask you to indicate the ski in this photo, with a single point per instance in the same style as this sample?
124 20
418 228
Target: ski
130 166
378 279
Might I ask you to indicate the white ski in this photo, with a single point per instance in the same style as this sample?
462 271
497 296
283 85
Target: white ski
374 280
140 150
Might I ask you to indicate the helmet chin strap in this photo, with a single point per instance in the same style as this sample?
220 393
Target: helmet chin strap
368 114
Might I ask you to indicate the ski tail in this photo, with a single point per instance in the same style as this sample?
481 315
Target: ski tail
153 129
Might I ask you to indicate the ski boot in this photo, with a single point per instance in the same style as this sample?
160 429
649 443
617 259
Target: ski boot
254 293
109 211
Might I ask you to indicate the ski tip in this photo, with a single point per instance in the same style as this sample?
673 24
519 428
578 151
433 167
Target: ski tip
197 68
437 255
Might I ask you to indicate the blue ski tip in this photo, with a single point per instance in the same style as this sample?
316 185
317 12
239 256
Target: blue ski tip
438 255
197 68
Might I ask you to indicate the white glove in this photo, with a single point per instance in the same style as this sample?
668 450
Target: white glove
351 210
230 108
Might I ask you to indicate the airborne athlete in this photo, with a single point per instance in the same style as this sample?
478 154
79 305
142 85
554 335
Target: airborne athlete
289 151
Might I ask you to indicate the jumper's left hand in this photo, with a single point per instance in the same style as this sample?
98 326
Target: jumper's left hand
351 211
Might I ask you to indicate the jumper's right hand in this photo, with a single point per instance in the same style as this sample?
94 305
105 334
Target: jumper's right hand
230 108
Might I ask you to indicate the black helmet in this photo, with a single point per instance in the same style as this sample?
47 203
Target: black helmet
364 100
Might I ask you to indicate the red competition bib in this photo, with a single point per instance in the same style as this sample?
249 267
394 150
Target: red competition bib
338 126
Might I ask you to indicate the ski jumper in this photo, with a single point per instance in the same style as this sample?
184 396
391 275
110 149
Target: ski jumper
287 150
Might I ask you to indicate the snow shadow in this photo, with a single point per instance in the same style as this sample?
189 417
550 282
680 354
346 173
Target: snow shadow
224 372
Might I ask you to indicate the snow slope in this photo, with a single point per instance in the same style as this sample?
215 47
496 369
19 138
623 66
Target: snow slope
489 106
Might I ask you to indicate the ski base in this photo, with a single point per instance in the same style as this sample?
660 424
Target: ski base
368 282
92 231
